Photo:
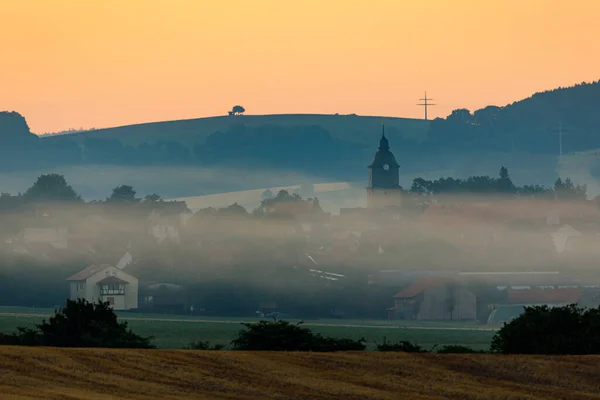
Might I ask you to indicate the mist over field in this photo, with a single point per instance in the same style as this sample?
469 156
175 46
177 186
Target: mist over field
288 250
237 213
242 200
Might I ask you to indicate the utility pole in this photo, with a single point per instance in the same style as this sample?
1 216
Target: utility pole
425 104
560 134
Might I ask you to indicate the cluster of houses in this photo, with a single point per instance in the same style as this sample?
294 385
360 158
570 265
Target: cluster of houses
560 229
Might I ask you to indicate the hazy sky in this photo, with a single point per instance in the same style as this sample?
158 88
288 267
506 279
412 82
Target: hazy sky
98 63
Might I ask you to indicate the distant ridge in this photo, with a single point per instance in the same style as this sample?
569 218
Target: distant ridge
343 126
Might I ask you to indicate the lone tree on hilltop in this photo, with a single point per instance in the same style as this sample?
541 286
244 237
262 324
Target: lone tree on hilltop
237 110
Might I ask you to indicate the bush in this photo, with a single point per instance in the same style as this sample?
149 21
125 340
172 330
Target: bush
401 346
23 337
200 345
284 336
80 324
550 330
458 349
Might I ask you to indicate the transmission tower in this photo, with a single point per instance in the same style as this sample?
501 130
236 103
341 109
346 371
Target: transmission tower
560 134
425 104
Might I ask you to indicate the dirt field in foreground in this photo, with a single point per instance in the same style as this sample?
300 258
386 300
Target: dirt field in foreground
43 373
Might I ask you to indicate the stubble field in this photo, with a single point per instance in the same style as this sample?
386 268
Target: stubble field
52 373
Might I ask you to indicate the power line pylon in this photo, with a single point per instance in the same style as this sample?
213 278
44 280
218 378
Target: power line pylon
425 104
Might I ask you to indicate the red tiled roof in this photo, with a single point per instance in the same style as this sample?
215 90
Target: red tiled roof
418 287
550 296
87 272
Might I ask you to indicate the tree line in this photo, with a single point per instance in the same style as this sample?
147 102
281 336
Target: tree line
502 185
538 330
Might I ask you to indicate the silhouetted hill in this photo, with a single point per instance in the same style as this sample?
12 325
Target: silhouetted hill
331 146
322 148
191 132
14 128
530 125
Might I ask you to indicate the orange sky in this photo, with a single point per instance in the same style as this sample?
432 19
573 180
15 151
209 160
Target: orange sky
98 63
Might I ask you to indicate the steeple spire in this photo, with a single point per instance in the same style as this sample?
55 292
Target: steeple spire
383 142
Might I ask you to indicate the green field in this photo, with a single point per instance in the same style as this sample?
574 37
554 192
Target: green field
176 332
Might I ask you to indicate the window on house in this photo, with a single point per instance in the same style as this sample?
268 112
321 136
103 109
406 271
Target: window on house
113 288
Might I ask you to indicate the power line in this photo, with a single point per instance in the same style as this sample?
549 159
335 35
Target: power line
425 104
560 134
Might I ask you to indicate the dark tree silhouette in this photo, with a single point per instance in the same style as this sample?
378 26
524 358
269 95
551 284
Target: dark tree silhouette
505 184
237 110
152 198
550 330
51 187
284 336
80 324
123 194
567 190
233 209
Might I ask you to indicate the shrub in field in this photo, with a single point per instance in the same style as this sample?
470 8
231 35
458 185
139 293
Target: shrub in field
205 345
400 346
550 330
23 337
285 336
80 324
457 349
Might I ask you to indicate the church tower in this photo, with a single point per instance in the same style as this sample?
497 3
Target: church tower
384 188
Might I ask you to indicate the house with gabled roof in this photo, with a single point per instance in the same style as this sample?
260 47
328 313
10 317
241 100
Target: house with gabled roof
434 298
106 283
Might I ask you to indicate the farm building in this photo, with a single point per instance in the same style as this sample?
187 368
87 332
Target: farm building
434 299
106 283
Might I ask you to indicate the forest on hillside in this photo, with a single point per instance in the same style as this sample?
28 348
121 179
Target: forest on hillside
526 131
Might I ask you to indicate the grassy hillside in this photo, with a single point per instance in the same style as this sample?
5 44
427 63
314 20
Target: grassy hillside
352 128
44 373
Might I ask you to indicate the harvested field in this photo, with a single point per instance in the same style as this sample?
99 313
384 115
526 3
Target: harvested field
44 373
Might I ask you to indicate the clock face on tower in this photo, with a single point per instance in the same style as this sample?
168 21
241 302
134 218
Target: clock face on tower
386 167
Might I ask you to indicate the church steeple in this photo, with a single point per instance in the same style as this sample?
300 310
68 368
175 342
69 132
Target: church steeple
384 188
383 142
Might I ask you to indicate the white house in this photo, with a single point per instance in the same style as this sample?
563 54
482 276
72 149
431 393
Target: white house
107 283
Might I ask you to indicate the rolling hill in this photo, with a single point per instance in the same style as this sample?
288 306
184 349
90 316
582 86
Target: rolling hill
352 128
204 156
53 373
